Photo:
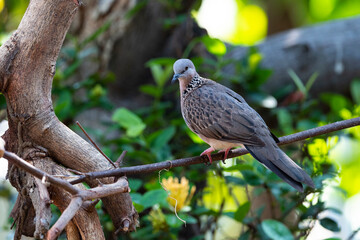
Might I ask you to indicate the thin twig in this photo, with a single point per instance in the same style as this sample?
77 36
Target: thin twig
95 145
147 168
119 161
39 173
78 196
353 234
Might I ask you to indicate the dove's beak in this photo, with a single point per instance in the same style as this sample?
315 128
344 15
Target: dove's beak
175 77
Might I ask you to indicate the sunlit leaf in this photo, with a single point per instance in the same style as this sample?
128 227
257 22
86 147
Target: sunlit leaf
276 230
217 189
311 81
321 9
254 60
97 92
335 101
251 24
299 84
242 211
131 122
161 69
213 45
238 167
318 149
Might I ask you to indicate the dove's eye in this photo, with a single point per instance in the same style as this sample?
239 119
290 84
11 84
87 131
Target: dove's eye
186 68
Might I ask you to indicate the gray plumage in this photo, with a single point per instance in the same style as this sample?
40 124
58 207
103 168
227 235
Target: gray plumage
224 120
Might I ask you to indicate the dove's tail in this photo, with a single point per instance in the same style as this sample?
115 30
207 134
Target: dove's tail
283 166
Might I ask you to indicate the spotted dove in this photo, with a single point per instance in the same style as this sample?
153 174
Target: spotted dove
223 119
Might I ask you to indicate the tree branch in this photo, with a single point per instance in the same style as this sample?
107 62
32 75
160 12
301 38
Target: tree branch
336 126
317 48
27 68
79 196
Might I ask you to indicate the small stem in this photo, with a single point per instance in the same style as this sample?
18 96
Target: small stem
147 168
95 145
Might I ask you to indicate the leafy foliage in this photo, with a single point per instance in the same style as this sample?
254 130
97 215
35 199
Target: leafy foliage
228 191
158 133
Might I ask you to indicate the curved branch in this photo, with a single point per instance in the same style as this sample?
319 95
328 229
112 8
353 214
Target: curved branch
336 126
79 196
26 76
326 48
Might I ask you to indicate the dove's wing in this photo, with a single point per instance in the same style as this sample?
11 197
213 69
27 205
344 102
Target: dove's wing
217 112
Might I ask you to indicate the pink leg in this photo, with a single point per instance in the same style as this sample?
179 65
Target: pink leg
226 152
208 152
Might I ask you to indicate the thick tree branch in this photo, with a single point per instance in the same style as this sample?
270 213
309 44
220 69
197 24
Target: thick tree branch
27 66
327 48
218 156
79 195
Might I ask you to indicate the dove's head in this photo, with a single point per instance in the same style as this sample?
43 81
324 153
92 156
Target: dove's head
184 71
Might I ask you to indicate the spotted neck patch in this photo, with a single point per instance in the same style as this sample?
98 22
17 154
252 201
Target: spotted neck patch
196 82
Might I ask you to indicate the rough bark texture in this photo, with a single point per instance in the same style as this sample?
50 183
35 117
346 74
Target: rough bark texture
86 223
132 40
27 67
319 48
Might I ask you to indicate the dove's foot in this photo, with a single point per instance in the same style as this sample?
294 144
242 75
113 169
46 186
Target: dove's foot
226 152
208 152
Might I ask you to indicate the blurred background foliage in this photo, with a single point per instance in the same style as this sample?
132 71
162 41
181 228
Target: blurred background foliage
240 199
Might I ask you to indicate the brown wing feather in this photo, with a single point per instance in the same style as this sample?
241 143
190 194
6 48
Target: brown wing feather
213 111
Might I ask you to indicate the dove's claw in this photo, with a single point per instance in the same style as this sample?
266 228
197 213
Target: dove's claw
226 152
208 152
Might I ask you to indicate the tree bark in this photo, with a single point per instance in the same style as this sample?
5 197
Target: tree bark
133 39
330 49
27 67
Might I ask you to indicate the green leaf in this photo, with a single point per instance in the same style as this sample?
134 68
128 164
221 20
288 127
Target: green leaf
136 200
163 137
136 9
242 211
235 180
355 90
238 167
245 236
157 196
276 230
251 178
134 184
63 104
161 69
330 224
213 45
300 85
151 90
130 121
285 120
175 222
96 34
311 81
335 101
69 71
